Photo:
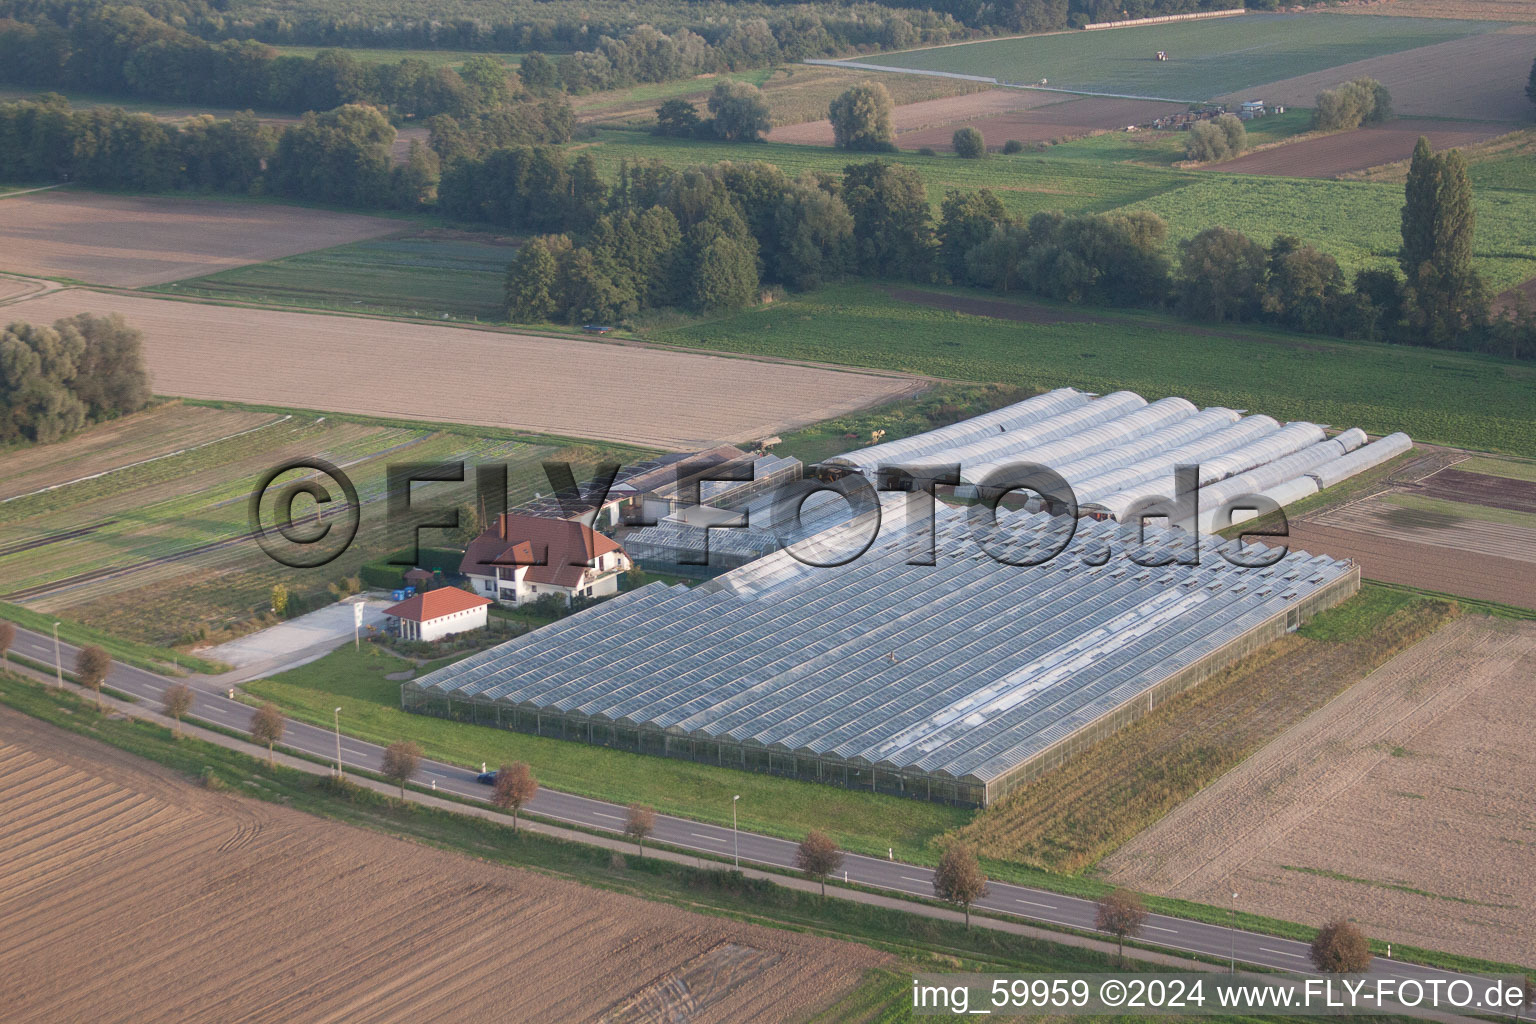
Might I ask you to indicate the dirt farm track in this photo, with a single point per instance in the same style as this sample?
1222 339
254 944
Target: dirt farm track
131 895
1404 803
627 393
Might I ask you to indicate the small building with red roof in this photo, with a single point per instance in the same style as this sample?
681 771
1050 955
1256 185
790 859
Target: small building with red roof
439 613
524 557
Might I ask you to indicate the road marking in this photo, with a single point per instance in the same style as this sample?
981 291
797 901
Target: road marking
1031 903
1281 952
909 878
600 814
713 839
1160 928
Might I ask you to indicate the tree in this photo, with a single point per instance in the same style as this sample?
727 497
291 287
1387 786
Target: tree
279 599
91 667
1305 289
7 638
639 824
892 229
818 857
401 759
267 725
176 702
1530 85
1443 291
515 787
966 219
1120 913
861 118
532 283
1340 947
725 276
1217 139
969 144
1221 275
959 879
738 112
1363 101
678 119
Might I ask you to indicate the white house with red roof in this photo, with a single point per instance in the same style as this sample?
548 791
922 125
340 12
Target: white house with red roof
439 613
523 558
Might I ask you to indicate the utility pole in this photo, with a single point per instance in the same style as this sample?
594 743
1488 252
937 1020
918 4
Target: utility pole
735 835
58 664
339 773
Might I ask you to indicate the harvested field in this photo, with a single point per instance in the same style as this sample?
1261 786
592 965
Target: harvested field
1074 815
907 117
1479 78
795 93
1062 120
1488 10
240 910
628 393
1327 156
131 241
1404 803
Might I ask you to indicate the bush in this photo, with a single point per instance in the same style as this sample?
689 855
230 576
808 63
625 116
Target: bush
1363 101
969 144
1013 146
861 118
927 151
382 576
1217 139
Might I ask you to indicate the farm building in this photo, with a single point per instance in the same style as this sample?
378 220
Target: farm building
955 681
1118 452
525 557
438 613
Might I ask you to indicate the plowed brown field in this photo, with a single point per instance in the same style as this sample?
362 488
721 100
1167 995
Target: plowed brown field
1328 155
1061 120
908 117
614 392
132 241
1404 804
129 895
1481 78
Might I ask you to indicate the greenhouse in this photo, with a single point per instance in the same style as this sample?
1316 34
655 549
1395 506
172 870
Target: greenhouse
953 682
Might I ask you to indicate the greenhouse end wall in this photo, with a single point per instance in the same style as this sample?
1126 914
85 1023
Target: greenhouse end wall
968 792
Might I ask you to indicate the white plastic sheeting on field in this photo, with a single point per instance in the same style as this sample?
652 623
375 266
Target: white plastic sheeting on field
1018 443
1352 438
1362 459
1281 494
1167 412
1245 431
1261 478
908 450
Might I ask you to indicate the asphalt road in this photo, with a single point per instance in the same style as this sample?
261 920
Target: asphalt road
1018 901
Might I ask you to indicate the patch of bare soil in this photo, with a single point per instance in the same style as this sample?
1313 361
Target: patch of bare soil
908 117
132 241
1479 489
628 393
1327 156
130 895
1480 78
1064 119
1420 548
1484 10
1405 804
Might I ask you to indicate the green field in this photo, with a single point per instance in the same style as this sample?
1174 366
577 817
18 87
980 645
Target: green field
1207 58
370 709
1443 397
1357 222
439 275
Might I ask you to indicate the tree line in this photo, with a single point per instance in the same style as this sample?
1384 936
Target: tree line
56 379
126 51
